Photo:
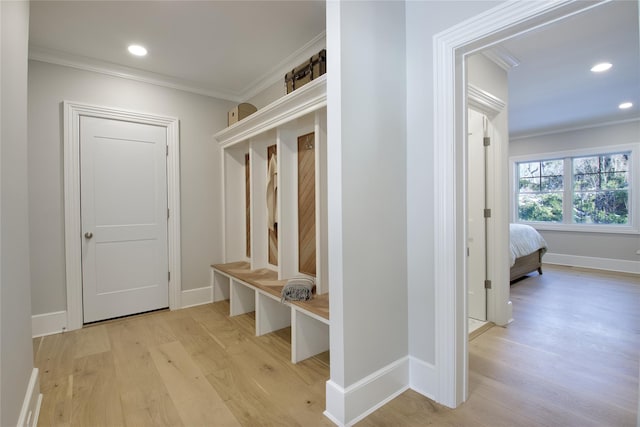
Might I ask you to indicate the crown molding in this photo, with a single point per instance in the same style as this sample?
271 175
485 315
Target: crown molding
276 74
84 63
484 102
555 131
502 57
310 97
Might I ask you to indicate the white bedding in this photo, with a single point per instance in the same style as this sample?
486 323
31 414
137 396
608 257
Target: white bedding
525 240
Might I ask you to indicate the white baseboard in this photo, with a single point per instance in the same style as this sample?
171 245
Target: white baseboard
609 264
48 323
347 406
423 377
32 401
199 296
54 323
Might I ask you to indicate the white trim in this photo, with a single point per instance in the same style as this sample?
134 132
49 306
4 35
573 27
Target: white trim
73 256
199 296
608 264
502 57
582 228
32 401
174 221
334 233
497 24
37 53
590 125
347 406
423 377
587 151
309 98
48 323
483 101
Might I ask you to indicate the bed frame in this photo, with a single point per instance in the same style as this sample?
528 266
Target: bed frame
527 264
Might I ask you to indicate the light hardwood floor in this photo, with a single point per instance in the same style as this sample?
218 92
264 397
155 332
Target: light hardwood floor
569 359
191 367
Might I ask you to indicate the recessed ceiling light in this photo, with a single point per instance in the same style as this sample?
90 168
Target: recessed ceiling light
599 68
625 105
137 50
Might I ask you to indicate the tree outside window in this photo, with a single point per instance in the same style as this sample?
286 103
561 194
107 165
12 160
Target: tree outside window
540 195
598 192
601 189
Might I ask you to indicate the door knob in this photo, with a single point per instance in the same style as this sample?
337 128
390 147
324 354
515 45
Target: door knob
88 234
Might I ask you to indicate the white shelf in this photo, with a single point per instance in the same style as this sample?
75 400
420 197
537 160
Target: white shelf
280 123
307 99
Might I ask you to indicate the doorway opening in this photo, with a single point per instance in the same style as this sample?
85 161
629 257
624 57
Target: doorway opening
451 49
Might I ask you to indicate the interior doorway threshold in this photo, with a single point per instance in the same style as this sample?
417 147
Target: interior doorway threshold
478 327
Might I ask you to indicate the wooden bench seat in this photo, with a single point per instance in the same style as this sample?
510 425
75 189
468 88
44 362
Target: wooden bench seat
260 291
263 279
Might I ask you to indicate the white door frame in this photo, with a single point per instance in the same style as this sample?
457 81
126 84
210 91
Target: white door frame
450 47
72 221
498 302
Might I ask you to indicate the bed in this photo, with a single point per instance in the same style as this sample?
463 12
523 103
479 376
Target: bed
527 248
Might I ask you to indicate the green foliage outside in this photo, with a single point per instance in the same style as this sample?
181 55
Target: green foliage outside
540 207
605 207
600 190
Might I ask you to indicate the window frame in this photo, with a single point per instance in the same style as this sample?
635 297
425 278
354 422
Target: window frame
567 224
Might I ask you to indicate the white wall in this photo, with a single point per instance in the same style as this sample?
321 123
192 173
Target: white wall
200 117
596 245
373 186
268 95
486 75
16 350
367 226
601 136
423 21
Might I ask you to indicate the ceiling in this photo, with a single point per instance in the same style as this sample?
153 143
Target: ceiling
219 48
234 49
553 88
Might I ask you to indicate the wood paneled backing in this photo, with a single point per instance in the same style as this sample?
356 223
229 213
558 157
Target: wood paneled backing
247 206
307 204
272 150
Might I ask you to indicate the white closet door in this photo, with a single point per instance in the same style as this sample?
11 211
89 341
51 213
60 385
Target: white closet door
476 222
124 218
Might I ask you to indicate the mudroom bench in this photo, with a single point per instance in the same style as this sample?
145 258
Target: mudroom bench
259 290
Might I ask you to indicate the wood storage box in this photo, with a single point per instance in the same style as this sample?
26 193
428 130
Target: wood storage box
307 71
240 112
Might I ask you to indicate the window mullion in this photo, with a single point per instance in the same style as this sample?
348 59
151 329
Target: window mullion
567 199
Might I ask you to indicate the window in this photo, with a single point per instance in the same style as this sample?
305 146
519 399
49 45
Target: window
581 190
601 189
540 190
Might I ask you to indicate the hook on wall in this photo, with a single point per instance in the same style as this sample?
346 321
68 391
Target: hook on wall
309 142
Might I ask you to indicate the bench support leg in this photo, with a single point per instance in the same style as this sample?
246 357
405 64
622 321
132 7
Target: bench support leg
271 315
308 336
242 299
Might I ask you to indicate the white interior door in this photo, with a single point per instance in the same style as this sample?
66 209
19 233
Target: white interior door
124 218
476 266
